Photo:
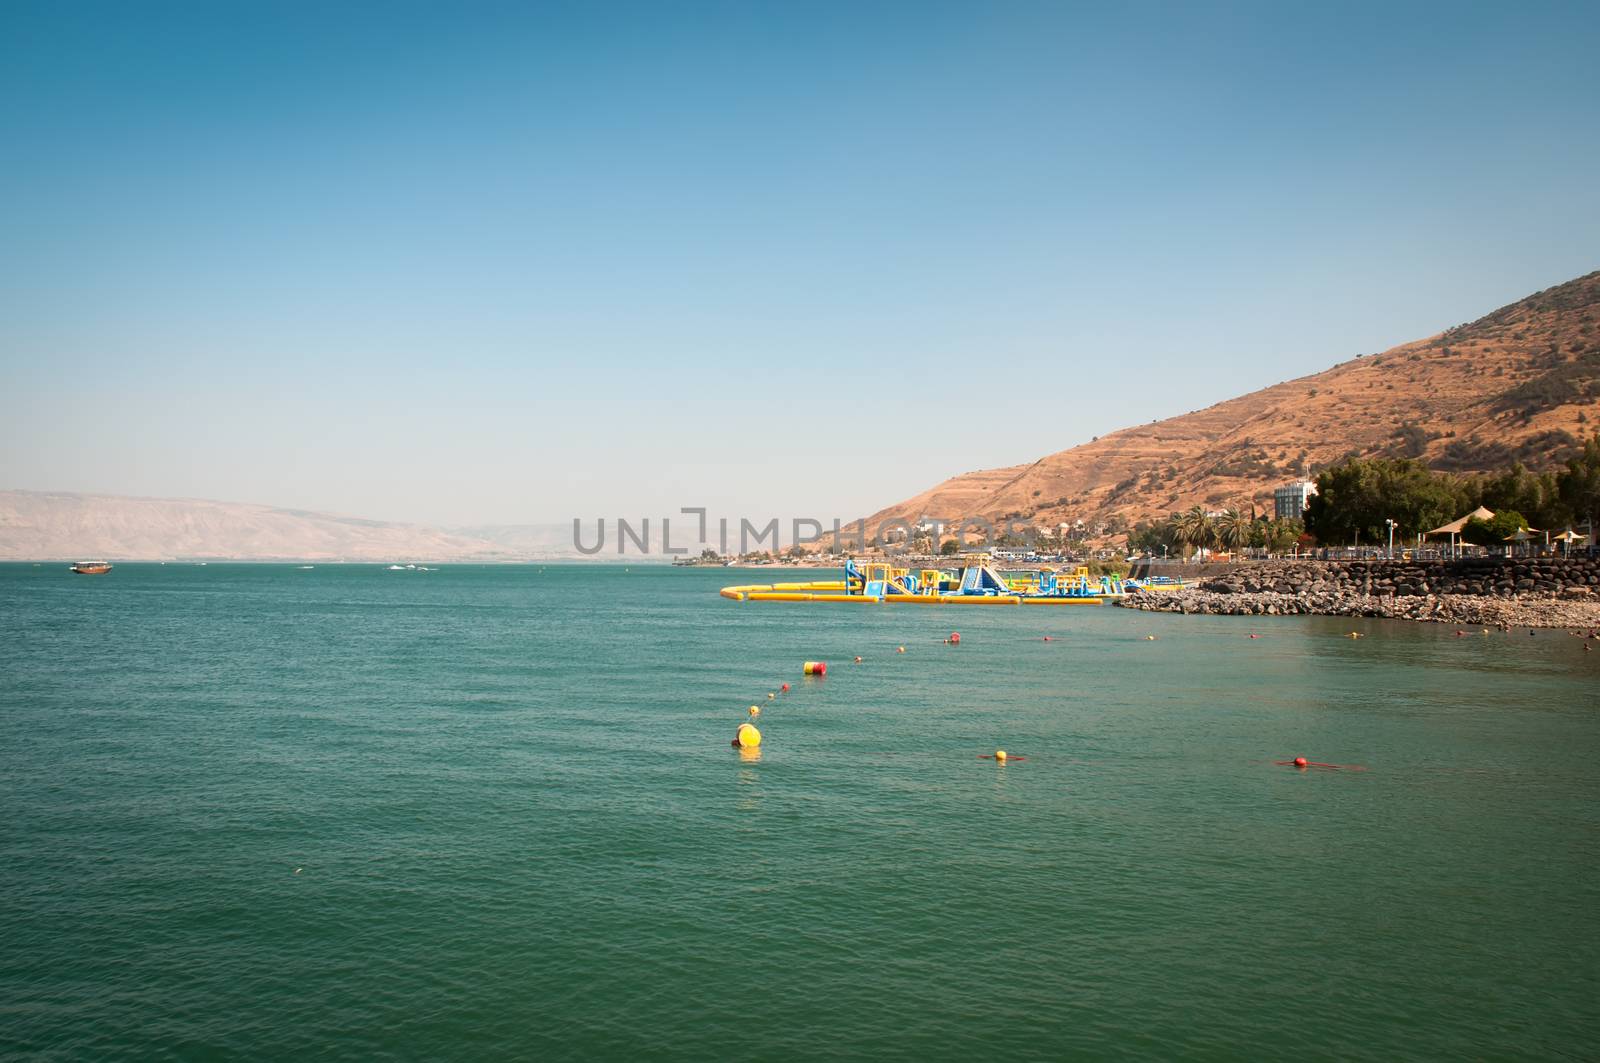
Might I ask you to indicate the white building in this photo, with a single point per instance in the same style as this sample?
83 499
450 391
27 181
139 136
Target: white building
1289 502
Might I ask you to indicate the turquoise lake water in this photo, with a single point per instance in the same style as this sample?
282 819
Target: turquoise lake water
492 813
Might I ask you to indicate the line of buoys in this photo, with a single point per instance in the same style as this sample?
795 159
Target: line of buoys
1301 764
814 668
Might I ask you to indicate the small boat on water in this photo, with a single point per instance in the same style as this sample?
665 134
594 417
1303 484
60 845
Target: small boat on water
92 568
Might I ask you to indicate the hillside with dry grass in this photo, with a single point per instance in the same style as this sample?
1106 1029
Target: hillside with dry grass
1520 384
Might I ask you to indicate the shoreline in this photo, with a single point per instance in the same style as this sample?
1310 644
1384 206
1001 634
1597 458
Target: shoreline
1531 611
1488 592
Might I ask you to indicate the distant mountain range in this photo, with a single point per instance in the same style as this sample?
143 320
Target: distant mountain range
41 526
1521 384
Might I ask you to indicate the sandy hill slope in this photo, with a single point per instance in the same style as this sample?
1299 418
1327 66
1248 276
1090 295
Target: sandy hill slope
37 526
1519 384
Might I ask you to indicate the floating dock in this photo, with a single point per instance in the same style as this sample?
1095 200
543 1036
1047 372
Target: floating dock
976 582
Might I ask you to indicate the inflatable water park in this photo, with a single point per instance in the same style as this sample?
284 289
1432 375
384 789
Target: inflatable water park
976 582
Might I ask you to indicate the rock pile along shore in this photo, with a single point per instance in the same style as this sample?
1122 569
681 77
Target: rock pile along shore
1520 592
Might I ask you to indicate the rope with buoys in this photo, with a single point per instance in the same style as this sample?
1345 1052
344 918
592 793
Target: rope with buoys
1301 764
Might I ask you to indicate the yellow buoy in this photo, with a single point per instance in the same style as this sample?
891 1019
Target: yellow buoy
755 710
1000 755
1149 638
748 737
899 649
771 696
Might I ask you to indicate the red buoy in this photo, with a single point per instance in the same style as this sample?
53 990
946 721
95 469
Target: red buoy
784 688
1302 763
955 637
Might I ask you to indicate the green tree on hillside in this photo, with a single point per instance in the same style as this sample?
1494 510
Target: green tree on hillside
1495 532
1353 500
1276 536
1283 535
1149 537
1578 485
1536 495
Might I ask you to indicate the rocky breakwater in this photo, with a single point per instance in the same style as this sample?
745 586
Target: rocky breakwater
1519 592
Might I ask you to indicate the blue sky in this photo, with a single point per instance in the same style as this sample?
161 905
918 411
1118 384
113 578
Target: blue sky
506 262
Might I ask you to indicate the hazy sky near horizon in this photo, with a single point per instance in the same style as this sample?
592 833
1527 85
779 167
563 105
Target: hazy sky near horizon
501 263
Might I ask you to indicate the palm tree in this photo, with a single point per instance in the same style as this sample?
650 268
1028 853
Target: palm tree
1176 534
1233 529
1193 527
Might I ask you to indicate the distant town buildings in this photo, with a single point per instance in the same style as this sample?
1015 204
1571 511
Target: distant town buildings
1289 502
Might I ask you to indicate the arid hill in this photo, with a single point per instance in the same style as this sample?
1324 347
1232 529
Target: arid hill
1520 384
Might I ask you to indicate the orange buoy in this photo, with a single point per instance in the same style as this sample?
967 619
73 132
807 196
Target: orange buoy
1300 762
815 668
